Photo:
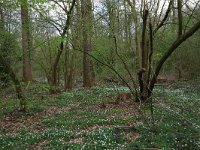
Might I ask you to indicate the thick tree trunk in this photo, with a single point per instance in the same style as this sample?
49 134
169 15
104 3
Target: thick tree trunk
69 68
69 74
88 70
26 41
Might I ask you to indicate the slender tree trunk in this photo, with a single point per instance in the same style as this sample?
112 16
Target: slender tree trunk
112 28
180 18
136 34
127 27
143 75
54 81
2 21
70 56
180 32
88 68
26 41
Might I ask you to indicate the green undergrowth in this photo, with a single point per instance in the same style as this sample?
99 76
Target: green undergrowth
84 119
176 121
74 120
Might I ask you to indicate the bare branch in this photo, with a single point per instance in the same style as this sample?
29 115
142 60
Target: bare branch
165 17
171 49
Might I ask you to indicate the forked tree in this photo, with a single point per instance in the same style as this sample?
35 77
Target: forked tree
151 23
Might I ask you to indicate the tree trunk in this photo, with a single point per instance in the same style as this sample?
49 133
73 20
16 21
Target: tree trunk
88 70
2 21
143 75
69 73
180 32
70 55
169 52
26 41
136 34
15 80
55 73
112 28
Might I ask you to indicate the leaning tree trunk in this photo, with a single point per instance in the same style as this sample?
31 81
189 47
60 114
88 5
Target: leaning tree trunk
16 81
169 52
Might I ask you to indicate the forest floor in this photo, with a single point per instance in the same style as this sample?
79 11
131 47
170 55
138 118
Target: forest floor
90 119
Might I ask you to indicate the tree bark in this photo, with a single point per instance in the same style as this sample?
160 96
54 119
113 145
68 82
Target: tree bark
178 65
144 60
87 33
26 41
110 5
